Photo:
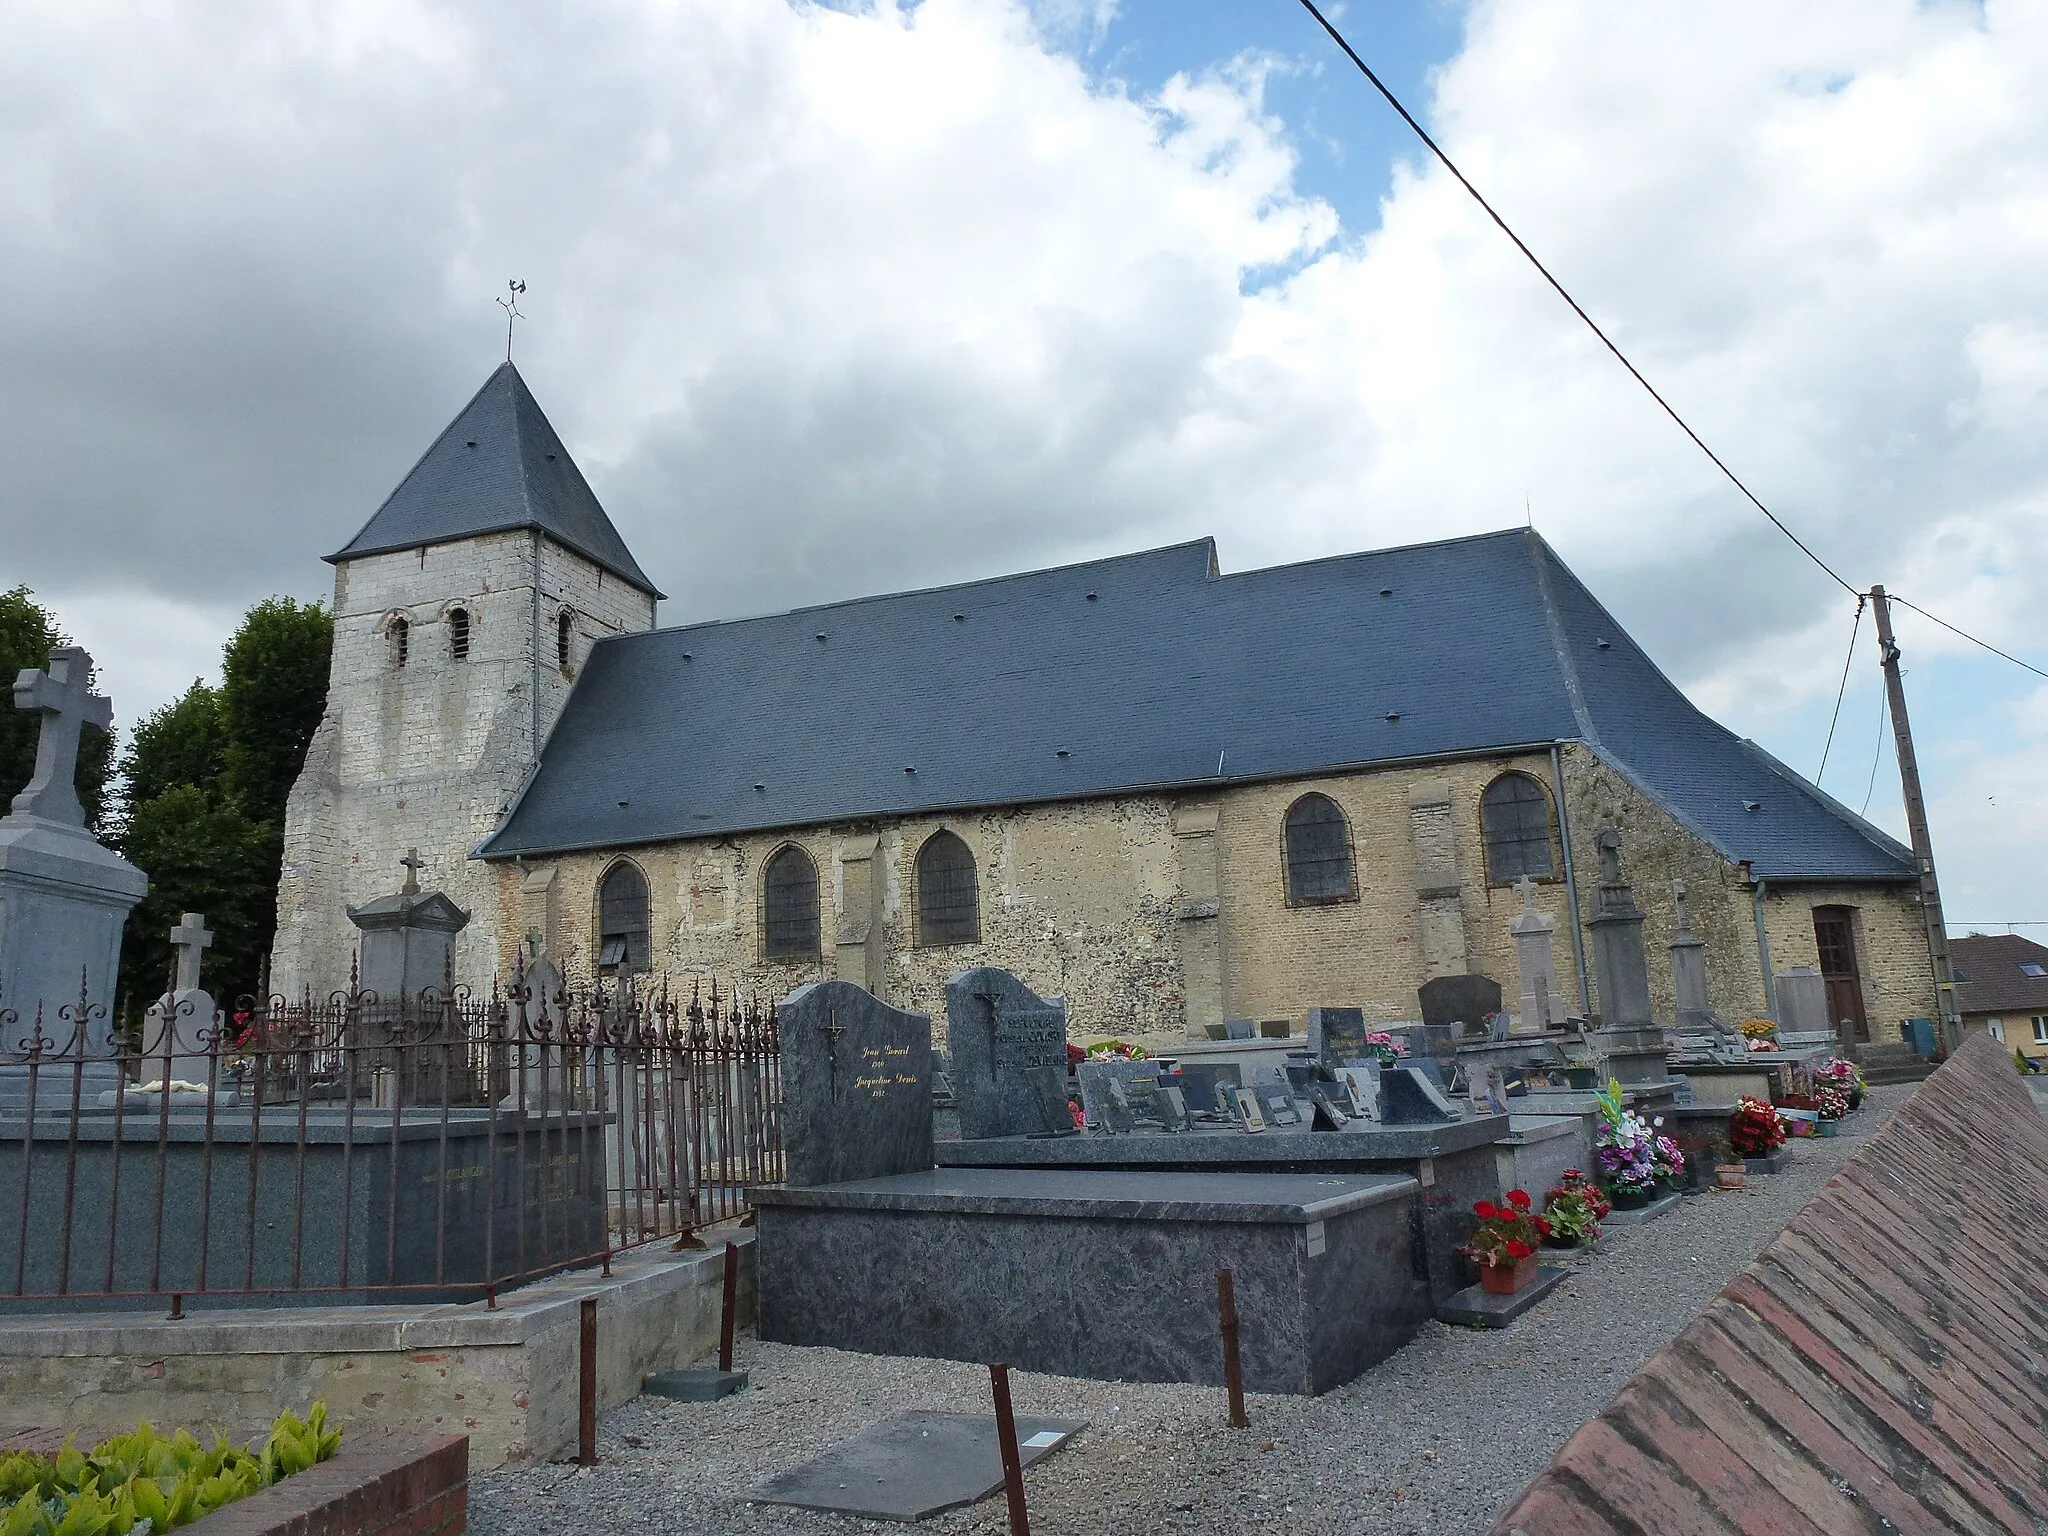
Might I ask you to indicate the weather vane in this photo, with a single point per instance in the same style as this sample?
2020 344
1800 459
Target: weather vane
511 308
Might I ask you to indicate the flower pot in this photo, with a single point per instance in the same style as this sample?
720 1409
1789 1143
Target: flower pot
1559 1240
1499 1280
1625 1199
1730 1175
1829 1128
1582 1078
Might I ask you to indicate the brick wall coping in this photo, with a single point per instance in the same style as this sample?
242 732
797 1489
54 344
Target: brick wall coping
1877 1367
519 1317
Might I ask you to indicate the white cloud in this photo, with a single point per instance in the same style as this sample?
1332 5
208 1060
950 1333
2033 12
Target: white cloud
840 300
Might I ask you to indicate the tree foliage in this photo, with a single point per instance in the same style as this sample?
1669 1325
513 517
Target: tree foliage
28 633
205 782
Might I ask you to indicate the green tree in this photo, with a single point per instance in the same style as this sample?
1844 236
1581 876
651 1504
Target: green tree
28 633
273 688
205 780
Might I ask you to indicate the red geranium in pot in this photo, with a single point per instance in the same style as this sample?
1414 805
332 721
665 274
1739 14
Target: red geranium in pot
1504 1243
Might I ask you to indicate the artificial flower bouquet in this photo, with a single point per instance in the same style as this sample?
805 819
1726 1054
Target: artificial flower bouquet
1754 1130
1624 1147
1831 1102
1574 1209
1507 1233
1388 1048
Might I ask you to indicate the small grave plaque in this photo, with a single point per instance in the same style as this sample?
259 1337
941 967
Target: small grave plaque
1000 1030
856 1086
1204 1082
1240 1029
1362 1088
1336 1036
1408 1096
1135 1083
1048 1088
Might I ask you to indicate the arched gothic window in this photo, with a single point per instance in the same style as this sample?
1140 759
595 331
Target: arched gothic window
1514 814
790 883
622 922
565 632
401 640
948 904
1318 853
458 633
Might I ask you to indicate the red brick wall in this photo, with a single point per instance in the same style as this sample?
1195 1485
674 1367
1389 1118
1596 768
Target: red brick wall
375 1485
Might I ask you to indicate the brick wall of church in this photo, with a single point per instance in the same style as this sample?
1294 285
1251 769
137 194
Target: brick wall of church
1891 945
430 754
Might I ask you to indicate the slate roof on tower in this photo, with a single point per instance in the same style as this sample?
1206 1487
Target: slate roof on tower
1150 672
498 466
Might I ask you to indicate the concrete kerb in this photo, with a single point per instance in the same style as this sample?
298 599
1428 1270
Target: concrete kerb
505 1376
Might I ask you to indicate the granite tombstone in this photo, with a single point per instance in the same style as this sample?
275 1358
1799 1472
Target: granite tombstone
1336 1037
1459 1003
1000 1031
856 1086
63 895
177 1031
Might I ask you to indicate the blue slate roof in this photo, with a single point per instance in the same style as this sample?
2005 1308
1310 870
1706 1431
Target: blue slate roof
1148 671
498 466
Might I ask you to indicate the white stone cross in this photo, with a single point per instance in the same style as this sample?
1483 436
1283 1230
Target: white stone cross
63 697
1526 889
413 864
190 939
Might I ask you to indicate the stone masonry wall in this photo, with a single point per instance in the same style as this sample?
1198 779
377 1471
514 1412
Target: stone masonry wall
1891 945
1099 900
431 753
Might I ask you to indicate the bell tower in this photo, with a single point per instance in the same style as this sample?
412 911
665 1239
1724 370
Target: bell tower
462 612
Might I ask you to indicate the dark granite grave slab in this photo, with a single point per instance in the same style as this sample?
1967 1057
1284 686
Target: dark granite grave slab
1100 1274
1642 1213
913 1466
1477 1307
699 1386
856 1085
1336 1036
1459 1003
447 1204
998 1030
1454 1163
1774 1163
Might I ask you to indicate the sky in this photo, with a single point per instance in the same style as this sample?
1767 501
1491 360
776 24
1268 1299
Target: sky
830 300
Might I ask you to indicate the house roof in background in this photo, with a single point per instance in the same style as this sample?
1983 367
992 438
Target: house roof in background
1987 967
1149 671
498 466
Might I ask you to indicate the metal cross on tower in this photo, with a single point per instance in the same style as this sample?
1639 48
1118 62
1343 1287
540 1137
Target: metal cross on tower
63 696
510 304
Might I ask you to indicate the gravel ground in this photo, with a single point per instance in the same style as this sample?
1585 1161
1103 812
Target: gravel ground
1437 1439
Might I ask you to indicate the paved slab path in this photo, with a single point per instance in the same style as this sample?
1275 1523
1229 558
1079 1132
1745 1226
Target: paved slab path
1437 1439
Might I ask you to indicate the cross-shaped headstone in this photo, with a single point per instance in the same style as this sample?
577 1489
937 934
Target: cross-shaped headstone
191 940
62 695
1526 889
1678 899
413 865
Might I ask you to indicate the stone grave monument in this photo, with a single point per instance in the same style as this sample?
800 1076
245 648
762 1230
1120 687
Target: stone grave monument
178 1030
1009 1056
408 940
1702 1033
1542 1004
1629 1042
1336 1037
63 896
856 1086
1803 1005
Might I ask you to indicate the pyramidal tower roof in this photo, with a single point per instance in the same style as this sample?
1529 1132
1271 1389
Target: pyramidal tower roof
498 466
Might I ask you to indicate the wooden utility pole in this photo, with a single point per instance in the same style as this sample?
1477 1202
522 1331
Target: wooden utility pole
1916 824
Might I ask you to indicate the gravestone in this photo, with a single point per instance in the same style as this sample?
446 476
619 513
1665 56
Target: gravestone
1048 1089
1109 1097
1203 1084
1698 1023
1336 1036
180 1026
856 1086
1362 1090
1408 1096
1542 1004
1629 1041
537 1005
1000 1030
1240 1029
1803 1002
1459 1002
408 940
63 896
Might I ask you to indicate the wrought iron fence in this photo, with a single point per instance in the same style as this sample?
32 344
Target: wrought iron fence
444 1142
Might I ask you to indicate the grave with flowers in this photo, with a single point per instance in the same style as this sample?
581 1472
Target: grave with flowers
1641 1166
1506 1246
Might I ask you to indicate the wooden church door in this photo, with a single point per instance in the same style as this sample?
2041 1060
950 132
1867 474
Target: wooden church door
1837 941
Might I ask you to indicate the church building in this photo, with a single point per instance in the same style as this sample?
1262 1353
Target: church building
1175 795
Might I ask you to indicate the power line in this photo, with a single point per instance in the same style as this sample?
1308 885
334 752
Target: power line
1620 357
1994 650
1841 692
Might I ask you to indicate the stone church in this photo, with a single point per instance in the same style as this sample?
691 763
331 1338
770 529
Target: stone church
1173 794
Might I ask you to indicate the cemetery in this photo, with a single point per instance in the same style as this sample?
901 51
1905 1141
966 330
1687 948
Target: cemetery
553 1194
